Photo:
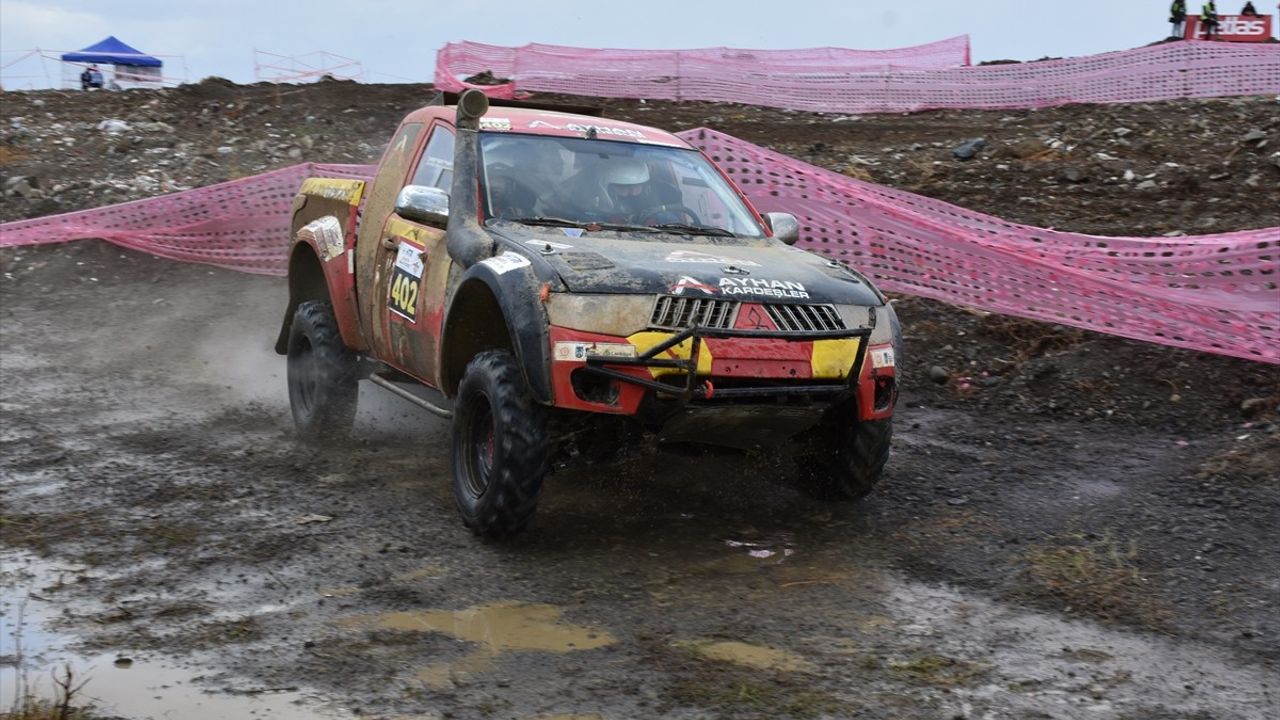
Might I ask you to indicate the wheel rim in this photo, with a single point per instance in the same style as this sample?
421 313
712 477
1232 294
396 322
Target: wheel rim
480 448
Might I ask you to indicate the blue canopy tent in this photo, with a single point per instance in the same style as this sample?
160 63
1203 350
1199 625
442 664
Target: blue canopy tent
130 65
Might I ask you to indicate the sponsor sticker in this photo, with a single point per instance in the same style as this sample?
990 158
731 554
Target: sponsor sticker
506 262
409 259
599 129
347 191
406 278
761 287
882 357
578 351
327 232
498 124
693 285
690 256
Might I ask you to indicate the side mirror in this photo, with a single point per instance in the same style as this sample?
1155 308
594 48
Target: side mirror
784 226
423 203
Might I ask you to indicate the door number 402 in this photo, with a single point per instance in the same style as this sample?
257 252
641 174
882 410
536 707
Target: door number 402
404 295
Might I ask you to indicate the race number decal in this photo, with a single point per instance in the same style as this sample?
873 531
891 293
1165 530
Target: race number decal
405 281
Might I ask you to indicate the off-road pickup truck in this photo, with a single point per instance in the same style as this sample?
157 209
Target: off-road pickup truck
561 285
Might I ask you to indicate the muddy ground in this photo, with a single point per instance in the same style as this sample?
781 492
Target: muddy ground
1070 526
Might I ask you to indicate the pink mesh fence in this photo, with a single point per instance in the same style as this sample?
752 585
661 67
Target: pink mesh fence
851 81
240 225
1216 293
668 74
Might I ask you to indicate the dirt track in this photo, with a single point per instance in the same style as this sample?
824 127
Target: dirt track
1071 526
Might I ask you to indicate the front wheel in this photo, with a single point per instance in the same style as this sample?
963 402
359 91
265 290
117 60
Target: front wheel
499 447
322 374
844 458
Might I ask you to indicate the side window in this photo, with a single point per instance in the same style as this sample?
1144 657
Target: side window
399 152
436 166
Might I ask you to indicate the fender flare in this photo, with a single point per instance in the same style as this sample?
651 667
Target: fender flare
517 289
322 239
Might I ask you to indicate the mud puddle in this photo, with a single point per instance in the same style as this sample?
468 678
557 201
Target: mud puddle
500 627
139 686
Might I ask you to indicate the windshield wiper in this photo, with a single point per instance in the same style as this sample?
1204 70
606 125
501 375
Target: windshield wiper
584 224
547 220
695 229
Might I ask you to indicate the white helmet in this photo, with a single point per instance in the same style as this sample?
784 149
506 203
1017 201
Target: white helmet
626 171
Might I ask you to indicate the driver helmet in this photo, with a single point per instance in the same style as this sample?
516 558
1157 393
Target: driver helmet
625 180
507 195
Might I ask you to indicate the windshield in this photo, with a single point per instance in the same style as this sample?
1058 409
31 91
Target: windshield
579 181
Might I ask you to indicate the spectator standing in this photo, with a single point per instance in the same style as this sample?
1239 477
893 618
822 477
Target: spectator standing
95 77
1249 9
1177 18
1209 19
85 79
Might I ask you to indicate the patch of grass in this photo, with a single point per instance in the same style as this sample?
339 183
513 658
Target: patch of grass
1028 338
744 697
725 690
938 670
41 531
63 706
1092 575
181 609
170 535
1247 463
10 155
219 633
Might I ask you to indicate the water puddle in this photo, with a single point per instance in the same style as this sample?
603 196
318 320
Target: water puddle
1038 661
758 657
496 628
118 683
142 690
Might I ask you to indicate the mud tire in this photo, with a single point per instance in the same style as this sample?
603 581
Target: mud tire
845 458
499 447
322 375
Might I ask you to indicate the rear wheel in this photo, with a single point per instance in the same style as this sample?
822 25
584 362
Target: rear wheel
321 374
844 458
499 447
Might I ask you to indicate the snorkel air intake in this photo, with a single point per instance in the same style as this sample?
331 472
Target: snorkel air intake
468 243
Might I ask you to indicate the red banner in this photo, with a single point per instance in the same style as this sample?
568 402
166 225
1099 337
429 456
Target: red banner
1232 28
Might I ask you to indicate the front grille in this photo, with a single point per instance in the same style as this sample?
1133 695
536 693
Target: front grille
673 312
805 318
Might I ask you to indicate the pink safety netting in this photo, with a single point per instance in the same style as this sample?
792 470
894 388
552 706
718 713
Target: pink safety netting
240 225
1216 293
851 81
668 74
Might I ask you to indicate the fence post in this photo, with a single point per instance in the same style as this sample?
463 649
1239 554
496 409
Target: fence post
679 79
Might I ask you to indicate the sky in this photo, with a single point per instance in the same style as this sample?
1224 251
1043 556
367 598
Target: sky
396 40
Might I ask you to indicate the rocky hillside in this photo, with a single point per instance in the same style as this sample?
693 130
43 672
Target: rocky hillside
1186 167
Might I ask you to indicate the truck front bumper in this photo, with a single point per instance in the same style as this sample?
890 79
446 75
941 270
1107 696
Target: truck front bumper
703 367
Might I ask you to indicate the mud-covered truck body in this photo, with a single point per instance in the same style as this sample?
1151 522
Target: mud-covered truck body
560 285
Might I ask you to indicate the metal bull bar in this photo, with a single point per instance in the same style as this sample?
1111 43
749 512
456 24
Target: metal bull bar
695 390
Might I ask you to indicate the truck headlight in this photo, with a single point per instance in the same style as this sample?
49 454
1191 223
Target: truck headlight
617 315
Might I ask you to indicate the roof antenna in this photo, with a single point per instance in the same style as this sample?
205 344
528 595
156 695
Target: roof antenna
592 132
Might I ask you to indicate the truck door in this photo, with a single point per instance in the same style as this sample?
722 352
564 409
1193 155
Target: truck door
414 267
372 259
